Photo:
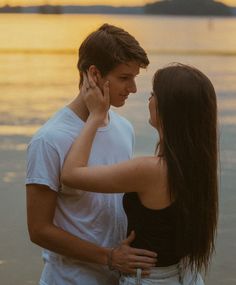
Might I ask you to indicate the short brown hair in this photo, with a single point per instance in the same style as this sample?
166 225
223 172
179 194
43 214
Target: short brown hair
108 47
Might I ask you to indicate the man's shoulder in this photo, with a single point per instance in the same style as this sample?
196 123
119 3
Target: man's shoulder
60 128
47 135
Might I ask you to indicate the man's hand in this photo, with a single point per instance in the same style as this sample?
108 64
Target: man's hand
127 259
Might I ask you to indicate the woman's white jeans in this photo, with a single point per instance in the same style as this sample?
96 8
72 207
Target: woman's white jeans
171 275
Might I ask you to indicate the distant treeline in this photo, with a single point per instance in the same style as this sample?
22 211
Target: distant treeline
73 9
165 7
188 7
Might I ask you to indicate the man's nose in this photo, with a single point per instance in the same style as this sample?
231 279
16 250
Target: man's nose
132 87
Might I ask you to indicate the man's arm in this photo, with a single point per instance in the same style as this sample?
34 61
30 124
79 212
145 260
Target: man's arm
41 204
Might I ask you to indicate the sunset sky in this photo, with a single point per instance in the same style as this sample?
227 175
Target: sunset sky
90 2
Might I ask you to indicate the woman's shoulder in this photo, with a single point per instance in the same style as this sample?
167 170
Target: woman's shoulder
152 180
150 161
152 166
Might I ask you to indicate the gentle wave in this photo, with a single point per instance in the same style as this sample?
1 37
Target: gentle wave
19 130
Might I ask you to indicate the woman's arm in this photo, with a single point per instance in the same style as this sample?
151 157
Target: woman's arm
129 176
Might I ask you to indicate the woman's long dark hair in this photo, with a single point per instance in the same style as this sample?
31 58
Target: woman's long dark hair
187 110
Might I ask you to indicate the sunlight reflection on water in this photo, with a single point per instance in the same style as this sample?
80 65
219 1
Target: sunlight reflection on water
9 177
34 85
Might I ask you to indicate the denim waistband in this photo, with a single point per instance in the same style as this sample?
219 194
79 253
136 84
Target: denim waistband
161 272
164 272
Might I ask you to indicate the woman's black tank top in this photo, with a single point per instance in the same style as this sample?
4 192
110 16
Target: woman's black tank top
154 229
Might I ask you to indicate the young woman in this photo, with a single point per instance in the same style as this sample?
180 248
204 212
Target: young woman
171 198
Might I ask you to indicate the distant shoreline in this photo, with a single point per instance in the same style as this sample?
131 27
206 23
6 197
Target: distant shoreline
171 8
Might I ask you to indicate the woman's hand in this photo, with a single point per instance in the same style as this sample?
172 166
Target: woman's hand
96 100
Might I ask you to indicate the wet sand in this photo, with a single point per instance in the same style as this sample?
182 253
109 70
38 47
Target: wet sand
20 261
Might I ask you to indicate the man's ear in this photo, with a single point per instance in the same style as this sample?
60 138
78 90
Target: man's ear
95 74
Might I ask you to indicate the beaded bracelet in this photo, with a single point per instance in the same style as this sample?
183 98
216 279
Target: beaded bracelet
109 259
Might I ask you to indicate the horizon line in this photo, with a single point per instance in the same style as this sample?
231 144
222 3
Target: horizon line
95 5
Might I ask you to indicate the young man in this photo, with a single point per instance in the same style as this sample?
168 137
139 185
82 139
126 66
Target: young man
79 230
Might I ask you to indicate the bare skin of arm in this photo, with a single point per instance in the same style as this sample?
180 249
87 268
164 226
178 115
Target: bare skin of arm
41 204
135 175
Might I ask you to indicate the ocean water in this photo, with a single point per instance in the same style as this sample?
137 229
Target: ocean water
38 55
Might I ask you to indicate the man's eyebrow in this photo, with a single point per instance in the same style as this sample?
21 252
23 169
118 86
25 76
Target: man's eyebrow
129 74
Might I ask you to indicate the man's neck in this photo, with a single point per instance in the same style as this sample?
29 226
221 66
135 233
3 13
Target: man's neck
79 108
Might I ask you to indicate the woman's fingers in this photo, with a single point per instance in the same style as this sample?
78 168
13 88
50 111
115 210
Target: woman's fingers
85 85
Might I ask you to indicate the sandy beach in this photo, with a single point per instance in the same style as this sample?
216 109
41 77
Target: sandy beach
20 261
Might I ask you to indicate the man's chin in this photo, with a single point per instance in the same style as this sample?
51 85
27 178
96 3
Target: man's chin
118 104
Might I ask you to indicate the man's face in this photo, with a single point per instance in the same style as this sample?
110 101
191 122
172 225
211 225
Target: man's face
121 82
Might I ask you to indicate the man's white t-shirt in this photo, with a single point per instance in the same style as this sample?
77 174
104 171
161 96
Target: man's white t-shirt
95 217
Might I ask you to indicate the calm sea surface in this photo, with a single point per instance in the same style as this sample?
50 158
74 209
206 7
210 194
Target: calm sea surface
38 75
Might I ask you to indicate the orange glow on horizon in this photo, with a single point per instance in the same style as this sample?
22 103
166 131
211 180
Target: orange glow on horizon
90 2
228 2
74 2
